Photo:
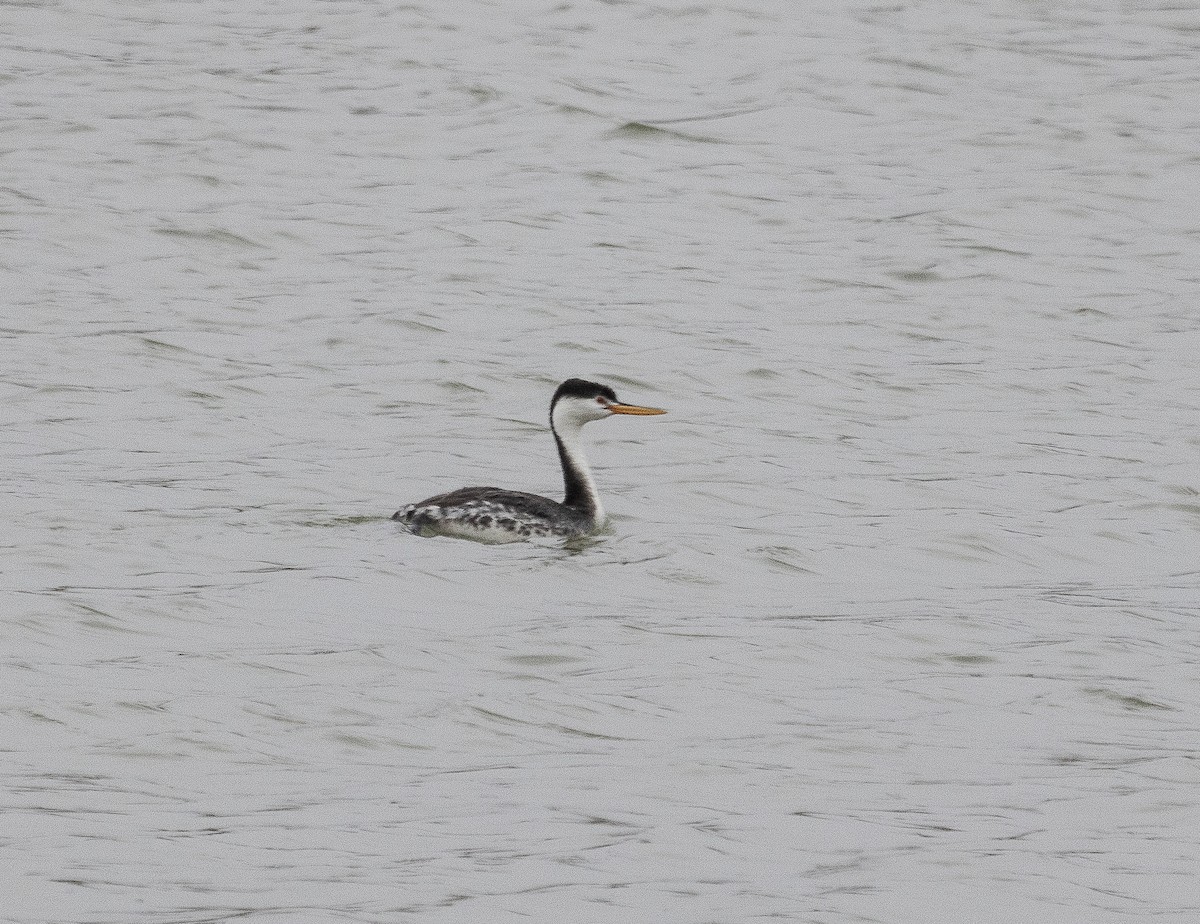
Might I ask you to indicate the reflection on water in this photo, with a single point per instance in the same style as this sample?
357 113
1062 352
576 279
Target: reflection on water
899 602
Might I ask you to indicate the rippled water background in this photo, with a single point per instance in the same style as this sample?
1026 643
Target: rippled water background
897 618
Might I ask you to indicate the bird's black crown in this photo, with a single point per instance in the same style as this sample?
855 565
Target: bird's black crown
581 388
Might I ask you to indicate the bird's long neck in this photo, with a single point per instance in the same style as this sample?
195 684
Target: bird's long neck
577 475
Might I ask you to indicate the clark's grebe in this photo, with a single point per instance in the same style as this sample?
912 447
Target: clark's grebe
497 515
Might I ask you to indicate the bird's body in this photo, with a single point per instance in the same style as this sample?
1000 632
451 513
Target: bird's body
500 515
495 515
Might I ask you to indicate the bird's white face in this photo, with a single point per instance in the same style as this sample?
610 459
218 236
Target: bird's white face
575 411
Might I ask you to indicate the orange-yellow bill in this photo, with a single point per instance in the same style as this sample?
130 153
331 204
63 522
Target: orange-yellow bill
635 409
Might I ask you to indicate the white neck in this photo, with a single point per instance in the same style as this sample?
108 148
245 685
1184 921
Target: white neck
578 482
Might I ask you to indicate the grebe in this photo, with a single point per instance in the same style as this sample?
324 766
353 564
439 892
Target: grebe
497 515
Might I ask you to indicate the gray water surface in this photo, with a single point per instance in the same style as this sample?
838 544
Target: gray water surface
896 620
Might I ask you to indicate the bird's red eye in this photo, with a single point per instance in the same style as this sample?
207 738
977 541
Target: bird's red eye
601 401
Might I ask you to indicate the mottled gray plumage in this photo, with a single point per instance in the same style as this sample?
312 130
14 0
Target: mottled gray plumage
480 510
